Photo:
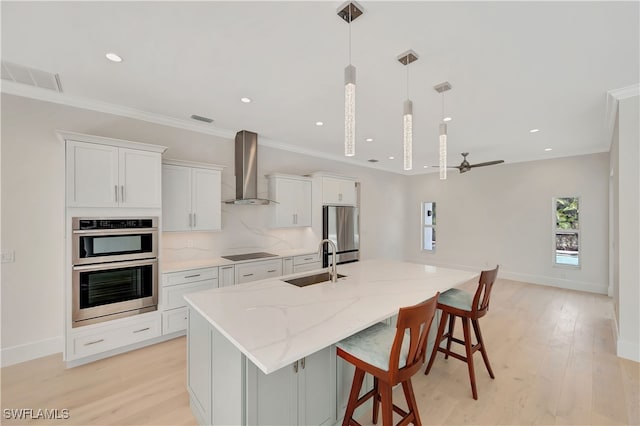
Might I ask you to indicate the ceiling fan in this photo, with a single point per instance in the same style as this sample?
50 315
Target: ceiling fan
465 166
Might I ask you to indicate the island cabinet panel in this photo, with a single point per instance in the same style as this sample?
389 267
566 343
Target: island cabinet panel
199 362
302 393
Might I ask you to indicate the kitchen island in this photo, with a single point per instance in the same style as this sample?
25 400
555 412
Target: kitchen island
263 352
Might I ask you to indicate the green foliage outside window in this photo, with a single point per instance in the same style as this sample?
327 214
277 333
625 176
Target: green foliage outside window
567 213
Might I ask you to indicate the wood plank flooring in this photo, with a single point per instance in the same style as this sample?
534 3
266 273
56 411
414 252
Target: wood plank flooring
552 352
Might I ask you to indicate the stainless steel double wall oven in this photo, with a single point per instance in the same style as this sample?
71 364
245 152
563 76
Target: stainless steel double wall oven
115 268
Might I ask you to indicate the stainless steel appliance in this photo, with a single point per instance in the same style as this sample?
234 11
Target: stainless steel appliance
115 268
340 224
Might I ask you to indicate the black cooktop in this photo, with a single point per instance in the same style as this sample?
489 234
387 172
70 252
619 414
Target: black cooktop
248 256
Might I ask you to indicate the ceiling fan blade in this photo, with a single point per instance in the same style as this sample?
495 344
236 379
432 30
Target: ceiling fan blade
488 163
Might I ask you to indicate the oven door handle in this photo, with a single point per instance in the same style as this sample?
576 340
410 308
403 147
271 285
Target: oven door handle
115 265
123 231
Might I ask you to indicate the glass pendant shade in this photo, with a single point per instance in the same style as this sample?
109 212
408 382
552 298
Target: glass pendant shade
350 111
443 151
408 134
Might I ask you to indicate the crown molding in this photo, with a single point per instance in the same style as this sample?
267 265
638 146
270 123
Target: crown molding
17 89
613 98
12 88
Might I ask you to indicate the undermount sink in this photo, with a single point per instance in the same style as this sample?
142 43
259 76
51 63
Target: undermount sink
311 279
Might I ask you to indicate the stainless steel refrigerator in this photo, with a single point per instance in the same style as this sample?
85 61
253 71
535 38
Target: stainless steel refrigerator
340 224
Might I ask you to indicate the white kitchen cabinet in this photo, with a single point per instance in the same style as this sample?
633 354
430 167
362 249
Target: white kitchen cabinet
293 195
307 262
191 196
103 175
174 286
301 393
226 275
259 270
338 191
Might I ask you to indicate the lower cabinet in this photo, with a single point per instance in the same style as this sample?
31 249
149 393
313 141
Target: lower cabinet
300 394
226 275
260 270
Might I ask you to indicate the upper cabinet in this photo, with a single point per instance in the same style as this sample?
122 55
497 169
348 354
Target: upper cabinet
191 196
103 172
293 195
338 191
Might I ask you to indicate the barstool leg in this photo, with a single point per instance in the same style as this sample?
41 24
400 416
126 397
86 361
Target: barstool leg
358 377
387 404
476 328
376 400
436 343
411 402
467 346
452 325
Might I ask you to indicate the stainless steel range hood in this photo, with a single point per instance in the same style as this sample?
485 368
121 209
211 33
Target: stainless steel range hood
246 169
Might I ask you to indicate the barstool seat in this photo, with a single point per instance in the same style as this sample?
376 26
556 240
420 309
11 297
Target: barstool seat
373 346
456 298
391 355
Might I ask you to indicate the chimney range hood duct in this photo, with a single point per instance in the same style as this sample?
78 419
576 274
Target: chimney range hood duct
246 169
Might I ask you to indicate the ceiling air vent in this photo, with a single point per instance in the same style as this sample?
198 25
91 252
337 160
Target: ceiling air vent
201 118
31 76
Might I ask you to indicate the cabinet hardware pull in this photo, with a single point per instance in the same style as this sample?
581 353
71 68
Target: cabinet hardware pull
272 270
302 362
295 366
94 342
116 189
190 221
308 258
227 267
122 193
142 329
192 276
247 275
194 220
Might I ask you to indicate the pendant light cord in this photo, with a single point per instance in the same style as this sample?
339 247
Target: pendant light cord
350 34
407 79
443 106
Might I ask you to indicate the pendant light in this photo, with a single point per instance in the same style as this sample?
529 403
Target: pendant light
441 88
407 118
349 12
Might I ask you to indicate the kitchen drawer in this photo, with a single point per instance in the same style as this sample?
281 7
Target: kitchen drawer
307 267
108 338
306 258
253 271
175 320
172 296
182 277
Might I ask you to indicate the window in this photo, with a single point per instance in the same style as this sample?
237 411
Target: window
566 231
428 226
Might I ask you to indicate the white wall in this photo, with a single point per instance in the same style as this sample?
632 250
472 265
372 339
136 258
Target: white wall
33 210
503 215
627 258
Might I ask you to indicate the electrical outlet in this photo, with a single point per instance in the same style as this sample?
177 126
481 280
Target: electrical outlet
8 256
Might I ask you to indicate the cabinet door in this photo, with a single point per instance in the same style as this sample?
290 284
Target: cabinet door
338 191
140 178
347 192
227 276
316 389
92 175
206 199
286 190
302 206
287 265
176 198
272 398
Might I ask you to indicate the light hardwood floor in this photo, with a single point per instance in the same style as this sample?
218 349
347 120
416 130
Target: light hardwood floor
552 352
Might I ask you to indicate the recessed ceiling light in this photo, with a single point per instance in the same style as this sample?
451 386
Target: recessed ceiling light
319 123
113 57
425 167
534 130
369 139
392 158
446 119
245 100
548 149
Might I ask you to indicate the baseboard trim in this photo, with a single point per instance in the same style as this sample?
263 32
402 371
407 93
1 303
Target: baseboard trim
628 350
528 278
28 351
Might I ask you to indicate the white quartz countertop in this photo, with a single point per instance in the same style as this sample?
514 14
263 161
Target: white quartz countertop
275 323
185 265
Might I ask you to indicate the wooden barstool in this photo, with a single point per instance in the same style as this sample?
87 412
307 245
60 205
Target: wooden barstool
392 356
458 303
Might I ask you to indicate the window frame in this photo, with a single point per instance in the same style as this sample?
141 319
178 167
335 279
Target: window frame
555 230
423 225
